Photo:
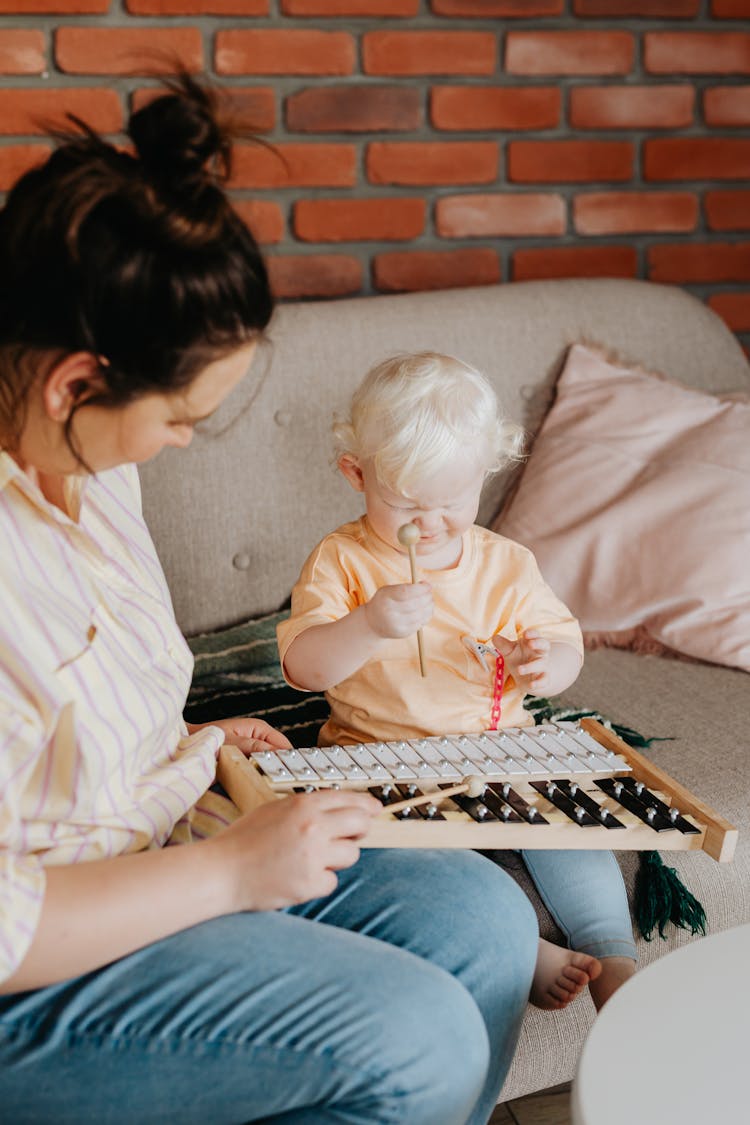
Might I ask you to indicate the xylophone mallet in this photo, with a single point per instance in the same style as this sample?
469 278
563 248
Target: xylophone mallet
408 536
472 787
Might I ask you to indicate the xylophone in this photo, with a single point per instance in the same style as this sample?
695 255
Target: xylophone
557 785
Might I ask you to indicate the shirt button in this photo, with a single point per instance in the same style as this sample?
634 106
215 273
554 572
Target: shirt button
241 561
282 417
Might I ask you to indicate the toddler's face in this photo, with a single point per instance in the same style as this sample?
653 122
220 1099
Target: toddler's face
443 508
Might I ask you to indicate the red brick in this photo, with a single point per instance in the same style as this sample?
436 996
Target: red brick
697 158
491 107
127 50
510 9
53 7
24 111
469 162
727 105
557 162
613 212
359 220
734 308
266 220
415 270
198 7
284 52
472 216
569 52
631 107
697 52
316 275
251 108
650 9
727 210
21 52
683 263
354 109
429 52
731 9
574 261
293 165
17 159
351 8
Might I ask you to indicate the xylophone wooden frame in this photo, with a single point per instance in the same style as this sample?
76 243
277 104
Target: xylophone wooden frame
248 789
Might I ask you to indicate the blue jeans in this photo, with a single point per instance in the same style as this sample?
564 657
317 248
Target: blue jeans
585 894
396 999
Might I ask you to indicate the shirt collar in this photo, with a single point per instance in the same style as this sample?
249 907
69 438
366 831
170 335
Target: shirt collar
11 473
8 469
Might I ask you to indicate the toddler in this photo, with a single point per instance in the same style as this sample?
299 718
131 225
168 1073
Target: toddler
423 434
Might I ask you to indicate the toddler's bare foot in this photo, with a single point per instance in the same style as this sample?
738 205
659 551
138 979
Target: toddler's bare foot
560 975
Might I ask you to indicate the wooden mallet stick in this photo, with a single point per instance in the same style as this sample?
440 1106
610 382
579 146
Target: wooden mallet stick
408 536
472 787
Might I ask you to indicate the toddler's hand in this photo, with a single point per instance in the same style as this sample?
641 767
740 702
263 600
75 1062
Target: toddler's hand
527 660
398 611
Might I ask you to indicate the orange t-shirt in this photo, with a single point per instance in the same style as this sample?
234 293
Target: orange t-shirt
495 588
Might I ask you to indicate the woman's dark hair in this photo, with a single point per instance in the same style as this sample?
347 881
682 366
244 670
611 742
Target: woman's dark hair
136 257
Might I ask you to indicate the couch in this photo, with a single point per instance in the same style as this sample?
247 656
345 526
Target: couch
235 515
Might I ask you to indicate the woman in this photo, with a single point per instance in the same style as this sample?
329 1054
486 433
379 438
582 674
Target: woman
265 970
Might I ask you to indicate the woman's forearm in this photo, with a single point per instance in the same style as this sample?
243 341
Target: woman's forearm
325 655
97 912
284 851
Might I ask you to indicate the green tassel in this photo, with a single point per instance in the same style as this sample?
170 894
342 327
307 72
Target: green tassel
661 897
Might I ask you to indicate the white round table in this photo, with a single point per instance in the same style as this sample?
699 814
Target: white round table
672 1046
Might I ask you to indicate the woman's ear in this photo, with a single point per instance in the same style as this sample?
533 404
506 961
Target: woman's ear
70 382
350 467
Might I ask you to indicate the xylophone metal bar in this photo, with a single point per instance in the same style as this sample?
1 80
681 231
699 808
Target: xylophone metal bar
719 836
547 751
518 813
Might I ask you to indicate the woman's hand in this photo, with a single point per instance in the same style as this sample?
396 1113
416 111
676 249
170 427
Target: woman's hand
284 852
398 611
248 735
288 851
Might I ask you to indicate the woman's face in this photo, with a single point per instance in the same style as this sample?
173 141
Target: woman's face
136 432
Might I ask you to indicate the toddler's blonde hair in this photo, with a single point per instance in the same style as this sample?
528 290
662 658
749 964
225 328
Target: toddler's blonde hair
414 414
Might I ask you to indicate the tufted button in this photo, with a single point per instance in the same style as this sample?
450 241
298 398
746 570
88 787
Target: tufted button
241 561
282 417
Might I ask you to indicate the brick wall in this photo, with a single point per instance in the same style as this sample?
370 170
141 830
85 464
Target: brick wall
431 143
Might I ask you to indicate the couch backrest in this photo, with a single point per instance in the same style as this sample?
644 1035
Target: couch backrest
236 514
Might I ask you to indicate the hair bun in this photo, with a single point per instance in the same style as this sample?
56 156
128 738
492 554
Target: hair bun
178 135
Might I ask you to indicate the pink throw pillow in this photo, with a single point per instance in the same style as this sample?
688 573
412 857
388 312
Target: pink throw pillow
636 502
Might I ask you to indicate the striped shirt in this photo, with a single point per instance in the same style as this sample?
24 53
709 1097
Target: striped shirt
95 758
